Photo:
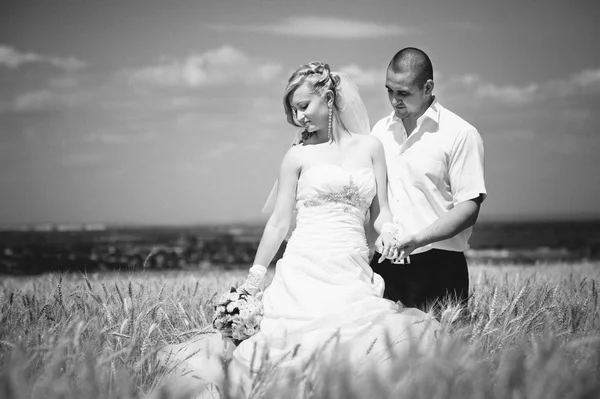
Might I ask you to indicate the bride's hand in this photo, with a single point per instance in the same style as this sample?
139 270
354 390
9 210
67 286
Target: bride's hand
386 243
252 283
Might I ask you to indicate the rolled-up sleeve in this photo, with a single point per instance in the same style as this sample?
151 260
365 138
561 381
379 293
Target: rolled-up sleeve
466 167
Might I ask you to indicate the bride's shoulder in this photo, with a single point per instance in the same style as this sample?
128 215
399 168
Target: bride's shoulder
370 142
294 156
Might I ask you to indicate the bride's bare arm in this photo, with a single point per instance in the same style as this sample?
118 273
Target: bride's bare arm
380 210
279 222
381 216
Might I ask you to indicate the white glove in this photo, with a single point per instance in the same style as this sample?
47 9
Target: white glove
255 276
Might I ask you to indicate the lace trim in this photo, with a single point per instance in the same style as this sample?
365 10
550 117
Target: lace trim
347 195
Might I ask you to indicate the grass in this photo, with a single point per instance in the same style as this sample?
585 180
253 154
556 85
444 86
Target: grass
530 332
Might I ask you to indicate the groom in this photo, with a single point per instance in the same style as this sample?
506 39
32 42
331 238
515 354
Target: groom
435 187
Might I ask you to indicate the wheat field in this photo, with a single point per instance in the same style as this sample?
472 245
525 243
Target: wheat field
530 332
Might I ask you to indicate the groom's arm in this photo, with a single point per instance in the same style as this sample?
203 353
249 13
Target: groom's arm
467 188
462 216
457 219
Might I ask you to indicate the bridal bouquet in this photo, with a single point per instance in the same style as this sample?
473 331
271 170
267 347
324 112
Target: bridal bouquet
238 315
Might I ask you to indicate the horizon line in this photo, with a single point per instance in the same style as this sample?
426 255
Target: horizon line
253 222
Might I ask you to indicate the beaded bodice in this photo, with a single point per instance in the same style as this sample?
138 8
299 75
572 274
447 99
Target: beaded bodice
332 204
332 185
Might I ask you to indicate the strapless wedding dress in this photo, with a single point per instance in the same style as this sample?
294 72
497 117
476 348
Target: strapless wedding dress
324 288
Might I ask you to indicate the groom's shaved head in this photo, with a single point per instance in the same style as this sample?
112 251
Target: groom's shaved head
413 60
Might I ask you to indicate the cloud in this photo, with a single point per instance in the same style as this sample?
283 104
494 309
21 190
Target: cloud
321 27
81 159
215 67
65 82
365 78
37 100
193 168
513 134
581 83
46 99
466 79
514 95
508 94
220 149
58 93
122 138
163 103
587 77
12 58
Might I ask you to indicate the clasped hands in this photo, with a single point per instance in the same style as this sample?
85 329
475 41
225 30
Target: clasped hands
391 246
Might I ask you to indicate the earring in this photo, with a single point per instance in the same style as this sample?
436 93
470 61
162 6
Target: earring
329 125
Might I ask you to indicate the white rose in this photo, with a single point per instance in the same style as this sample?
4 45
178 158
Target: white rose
234 296
224 298
231 307
244 313
256 319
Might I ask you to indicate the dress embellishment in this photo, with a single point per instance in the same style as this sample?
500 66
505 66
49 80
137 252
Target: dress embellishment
348 195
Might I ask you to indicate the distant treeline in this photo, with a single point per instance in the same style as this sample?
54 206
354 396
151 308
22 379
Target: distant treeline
26 253
132 249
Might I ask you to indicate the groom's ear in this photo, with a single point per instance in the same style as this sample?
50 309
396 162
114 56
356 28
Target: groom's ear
428 86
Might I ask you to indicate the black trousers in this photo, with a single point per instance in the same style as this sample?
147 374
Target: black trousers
430 280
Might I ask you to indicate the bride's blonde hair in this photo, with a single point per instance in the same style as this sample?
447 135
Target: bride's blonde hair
319 79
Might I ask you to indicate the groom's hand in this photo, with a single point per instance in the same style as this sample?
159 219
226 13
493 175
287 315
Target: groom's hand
406 245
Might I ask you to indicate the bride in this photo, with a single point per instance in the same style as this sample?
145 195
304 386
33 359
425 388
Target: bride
323 286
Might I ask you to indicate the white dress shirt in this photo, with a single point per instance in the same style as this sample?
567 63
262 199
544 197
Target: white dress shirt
439 165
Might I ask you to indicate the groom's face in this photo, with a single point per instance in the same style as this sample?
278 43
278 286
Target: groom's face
407 99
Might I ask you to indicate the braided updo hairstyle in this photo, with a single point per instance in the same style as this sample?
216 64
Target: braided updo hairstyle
319 79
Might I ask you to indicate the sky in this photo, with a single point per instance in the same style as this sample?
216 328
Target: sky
154 112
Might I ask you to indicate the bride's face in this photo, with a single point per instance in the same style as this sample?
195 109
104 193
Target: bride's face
310 109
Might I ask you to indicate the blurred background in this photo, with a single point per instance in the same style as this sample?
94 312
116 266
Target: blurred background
148 134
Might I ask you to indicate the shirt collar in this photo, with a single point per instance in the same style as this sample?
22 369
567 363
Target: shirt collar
432 112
